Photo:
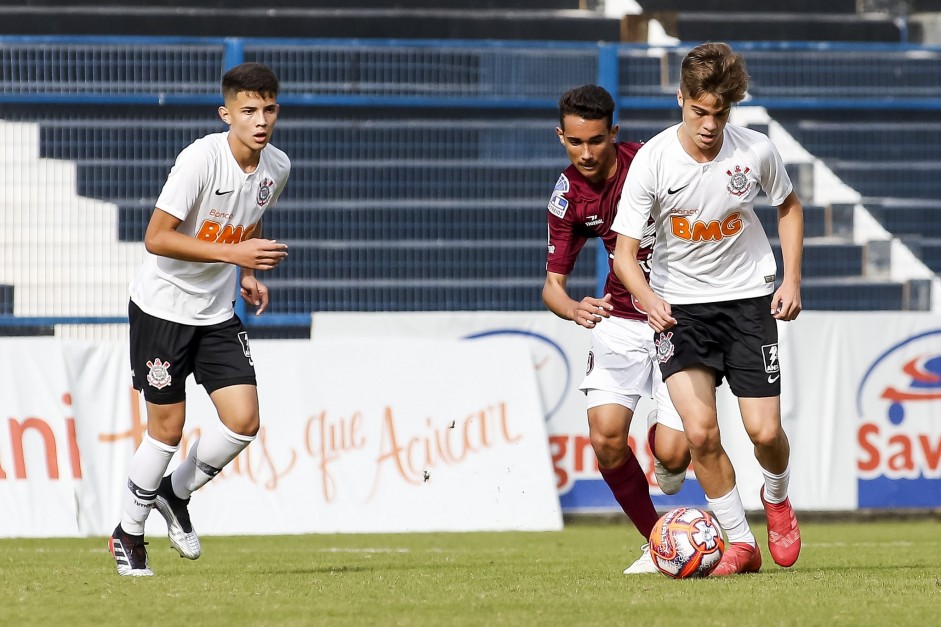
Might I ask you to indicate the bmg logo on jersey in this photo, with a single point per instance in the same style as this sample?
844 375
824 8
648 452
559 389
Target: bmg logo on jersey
898 405
213 231
699 231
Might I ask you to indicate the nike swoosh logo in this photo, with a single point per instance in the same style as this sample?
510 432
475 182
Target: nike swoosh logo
773 379
218 193
678 189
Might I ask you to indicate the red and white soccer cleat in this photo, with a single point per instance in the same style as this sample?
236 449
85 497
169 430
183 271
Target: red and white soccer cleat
784 536
739 558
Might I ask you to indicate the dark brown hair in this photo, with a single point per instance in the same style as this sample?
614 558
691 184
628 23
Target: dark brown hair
713 68
250 77
588 102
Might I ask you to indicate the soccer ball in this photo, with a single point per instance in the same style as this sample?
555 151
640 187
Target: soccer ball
686 542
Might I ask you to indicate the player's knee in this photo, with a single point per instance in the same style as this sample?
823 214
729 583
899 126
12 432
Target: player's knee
771 436
703 438
672 449
609 450
167 433
243 424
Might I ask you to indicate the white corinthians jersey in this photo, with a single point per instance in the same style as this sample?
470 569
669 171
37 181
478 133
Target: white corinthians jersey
710 245
217 202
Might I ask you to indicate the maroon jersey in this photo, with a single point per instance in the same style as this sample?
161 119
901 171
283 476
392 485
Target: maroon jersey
579 210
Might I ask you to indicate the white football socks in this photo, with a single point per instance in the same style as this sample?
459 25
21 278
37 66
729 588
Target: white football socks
209 455
776 485
149 463
730 513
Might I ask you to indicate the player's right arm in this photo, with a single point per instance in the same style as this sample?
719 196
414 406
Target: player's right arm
162 238
630 222
564 244
659 313
587 312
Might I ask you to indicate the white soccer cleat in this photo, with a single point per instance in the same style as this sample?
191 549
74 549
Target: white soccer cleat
644 564
669 482
179 528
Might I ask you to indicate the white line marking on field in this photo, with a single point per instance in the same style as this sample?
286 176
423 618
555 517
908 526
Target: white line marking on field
363 550
828 545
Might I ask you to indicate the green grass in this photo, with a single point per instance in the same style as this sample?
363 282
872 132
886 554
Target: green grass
873 573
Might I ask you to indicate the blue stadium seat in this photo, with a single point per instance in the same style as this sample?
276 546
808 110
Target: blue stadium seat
826 258
815 220
929 251
852 294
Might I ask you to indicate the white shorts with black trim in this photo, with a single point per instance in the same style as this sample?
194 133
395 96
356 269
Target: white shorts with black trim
622 367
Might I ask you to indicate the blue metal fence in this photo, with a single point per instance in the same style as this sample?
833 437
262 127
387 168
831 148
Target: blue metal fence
421 168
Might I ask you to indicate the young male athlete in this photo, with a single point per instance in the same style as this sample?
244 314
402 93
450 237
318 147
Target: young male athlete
710 298
621 364
207 225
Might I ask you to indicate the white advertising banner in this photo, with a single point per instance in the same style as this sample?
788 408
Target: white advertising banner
357 436
426 422
865 409
559 351
863 433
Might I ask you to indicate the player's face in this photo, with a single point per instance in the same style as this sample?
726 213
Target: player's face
251 118
704 120
590 146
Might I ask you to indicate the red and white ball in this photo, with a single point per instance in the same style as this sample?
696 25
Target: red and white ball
686 542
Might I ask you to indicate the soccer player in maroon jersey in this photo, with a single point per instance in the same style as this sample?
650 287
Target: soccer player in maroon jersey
622 362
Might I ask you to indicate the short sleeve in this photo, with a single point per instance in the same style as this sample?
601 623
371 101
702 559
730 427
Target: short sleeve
637 197
186 181
775 180
564 243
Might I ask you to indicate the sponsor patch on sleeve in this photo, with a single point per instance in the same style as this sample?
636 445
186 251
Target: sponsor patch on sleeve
558 204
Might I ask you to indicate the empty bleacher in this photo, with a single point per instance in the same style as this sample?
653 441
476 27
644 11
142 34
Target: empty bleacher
403 213
357 19
893 160
797 20
441 205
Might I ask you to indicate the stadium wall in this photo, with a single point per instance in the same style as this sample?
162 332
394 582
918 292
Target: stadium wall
458 422
428 436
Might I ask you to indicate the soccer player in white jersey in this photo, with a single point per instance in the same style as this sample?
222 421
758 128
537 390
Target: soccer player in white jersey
711 299
622 361
206 225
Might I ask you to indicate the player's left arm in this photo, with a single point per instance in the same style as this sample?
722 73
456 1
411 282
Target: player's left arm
786 302
253 291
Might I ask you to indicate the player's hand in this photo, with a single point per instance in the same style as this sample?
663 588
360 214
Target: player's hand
786 302
255 293
659 314
259 254
590 311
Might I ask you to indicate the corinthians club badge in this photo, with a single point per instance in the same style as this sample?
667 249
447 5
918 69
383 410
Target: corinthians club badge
264 192
738 182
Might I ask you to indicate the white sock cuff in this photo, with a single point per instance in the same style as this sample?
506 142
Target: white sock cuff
724 498
160 446
776 485
233 437
772 476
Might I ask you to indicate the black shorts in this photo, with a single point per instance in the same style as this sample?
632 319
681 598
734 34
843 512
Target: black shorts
737 338
164 353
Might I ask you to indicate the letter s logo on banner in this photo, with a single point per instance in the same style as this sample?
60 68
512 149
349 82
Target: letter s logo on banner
898 403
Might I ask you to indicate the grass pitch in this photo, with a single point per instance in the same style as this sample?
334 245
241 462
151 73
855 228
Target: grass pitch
872 573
